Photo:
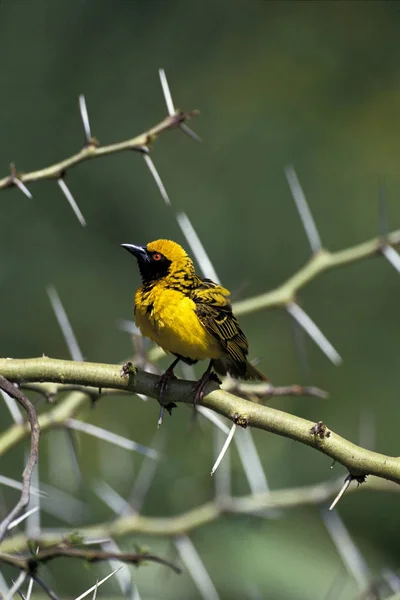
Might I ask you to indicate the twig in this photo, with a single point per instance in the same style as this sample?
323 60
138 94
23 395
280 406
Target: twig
322 261
203 514
30 563
139 142
33 455
267 390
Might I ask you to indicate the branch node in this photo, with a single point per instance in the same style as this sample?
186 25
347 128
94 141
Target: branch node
240 420
320 430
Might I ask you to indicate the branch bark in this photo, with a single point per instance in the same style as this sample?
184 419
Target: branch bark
358 461
203 514
139 143
31 562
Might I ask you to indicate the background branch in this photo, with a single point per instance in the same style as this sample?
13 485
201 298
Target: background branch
319 262
140 143
31 562
33 454
204 514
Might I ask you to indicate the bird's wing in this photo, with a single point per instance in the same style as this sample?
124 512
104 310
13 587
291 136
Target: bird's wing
215 313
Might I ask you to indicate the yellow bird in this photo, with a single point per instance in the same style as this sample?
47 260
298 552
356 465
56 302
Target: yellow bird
188 316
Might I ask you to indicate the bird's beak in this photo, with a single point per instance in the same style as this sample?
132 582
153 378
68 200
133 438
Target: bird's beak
139 252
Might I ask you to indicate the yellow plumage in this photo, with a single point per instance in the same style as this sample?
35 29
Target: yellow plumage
188 316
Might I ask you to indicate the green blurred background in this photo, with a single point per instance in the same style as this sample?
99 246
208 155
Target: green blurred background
313 84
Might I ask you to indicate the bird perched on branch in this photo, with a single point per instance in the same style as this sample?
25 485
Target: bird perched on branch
188 316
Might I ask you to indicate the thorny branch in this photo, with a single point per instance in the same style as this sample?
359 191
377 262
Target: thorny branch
358 461
140 143
7 387
203 514
321 261
30 563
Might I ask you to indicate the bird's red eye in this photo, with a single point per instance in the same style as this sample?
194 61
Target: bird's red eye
156 256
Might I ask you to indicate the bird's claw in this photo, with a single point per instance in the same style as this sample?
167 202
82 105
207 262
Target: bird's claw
163 386
200 387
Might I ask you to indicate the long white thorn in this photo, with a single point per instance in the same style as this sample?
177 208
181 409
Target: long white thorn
113 438
21 186
197 570
16 585
166 92
112 499
64 323
171 108
392 256
157 178
29 591
197 247
343 489
22 517
85 118
17 485
12 407
303 209
72 202
97 585
349 553
314 332
224 448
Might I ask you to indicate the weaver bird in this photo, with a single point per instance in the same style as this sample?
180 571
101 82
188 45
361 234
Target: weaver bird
188 316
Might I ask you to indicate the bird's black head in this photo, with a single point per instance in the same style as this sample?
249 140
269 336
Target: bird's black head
153 265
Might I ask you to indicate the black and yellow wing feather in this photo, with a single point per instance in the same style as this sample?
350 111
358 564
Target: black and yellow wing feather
215 313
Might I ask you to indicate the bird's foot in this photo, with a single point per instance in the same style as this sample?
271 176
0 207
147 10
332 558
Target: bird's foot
200 387
163 386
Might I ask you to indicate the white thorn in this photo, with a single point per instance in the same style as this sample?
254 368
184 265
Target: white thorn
98 584
303 208
157 178
85 118
314 332
251 462
17 485
22 187
22 517
343 489
12 407
224 449
113 438
349 553
197 247
213 418
192 134
392 256
112 499
29 591
72 202
64 324
166 92
197 570
16 585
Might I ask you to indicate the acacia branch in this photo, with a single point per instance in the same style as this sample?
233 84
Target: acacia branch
204 514
30 563
7 387
139 143
358 461
321 261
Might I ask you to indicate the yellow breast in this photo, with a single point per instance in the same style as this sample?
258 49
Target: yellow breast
168 318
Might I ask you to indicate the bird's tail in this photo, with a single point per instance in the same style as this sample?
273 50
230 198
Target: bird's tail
253 373
242 370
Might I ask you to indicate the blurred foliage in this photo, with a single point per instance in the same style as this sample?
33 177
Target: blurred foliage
316 85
